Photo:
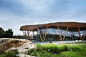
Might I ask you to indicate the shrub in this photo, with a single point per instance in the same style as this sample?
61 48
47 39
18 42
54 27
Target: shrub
2 55
30 51
10 54
39 47
63 48
53 47
34 53
76 48
2 52
69 54
43 53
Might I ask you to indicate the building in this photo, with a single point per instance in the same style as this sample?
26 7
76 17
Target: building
44 34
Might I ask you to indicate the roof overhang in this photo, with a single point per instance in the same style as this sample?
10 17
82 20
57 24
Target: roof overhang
73 26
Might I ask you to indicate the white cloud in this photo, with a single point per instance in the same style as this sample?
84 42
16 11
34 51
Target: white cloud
15 13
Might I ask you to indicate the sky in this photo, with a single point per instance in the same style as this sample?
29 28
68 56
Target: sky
16 13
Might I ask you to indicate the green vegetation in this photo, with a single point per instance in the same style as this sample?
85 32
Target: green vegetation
53 50
8 33
71 54
43 53
9 53
2 32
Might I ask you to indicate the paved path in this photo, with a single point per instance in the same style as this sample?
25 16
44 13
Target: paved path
58 42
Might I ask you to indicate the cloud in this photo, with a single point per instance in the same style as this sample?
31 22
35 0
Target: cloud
15 13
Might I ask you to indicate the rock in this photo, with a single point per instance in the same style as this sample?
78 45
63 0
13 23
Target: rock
15 43
4 44
28 45
21 45
23 48
24 55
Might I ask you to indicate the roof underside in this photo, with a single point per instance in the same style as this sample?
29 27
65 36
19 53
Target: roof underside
73 26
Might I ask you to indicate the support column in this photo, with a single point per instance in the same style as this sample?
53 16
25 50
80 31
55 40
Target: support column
79 32
28 33
45 33
39 34
59 33
66 32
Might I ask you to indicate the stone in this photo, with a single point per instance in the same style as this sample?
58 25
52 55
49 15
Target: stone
29 45
24 55
15 43
21 45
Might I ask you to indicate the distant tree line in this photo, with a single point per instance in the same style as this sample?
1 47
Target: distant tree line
19 36
6 34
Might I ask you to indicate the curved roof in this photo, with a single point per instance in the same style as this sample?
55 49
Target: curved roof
73 26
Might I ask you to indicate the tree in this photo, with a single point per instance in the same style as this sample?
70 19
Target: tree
9 33
2 32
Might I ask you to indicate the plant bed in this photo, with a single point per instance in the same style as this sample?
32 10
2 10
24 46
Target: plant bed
53 50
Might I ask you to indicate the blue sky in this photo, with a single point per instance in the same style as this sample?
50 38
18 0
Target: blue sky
15 13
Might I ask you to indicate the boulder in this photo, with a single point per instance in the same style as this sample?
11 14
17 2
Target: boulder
24 55
21 45
4 44
15 43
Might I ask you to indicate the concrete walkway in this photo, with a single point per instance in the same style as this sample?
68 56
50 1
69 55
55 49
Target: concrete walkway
58 42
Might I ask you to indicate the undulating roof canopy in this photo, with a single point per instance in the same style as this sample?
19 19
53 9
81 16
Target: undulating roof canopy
73 26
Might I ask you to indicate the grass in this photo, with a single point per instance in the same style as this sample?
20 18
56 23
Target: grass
71 54
43 53
53 50
8 54
52 47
